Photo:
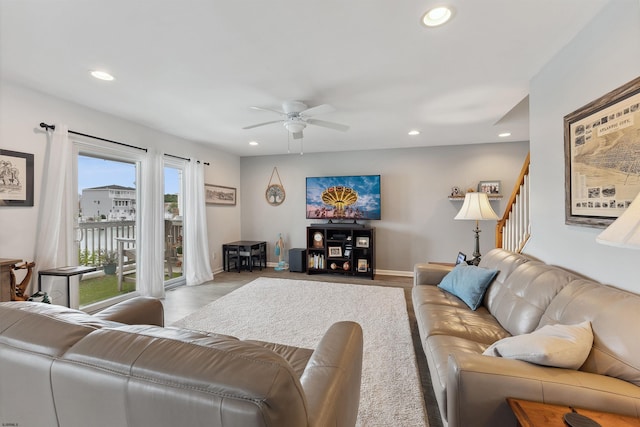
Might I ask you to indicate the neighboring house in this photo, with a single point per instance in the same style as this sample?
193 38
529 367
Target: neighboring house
112 202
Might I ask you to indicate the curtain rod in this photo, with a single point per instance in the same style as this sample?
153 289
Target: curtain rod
184 158
53 127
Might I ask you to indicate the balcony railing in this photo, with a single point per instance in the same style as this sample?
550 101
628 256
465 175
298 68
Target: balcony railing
96 238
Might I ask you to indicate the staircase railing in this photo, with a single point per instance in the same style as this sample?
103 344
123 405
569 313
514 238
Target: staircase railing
514 229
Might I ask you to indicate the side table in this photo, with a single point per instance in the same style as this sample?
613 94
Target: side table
534 414
64 272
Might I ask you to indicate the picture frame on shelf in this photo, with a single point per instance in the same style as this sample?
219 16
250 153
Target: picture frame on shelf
492 188
335 251
16 186
601 152
362 265
461 258
219 195
362 242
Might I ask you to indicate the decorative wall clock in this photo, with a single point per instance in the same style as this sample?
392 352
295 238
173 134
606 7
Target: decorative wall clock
275 193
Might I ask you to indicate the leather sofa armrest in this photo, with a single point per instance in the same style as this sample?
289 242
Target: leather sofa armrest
429 274
331 379
135 311
477 388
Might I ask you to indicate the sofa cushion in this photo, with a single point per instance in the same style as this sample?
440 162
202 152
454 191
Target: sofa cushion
614 316
519 301
469 283
479 326
148 375
561 346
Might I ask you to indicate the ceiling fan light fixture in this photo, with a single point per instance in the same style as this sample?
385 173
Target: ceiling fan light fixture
295 126
437 16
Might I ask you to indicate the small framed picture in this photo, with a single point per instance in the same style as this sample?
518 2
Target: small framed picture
461 258
489 187
362 265
362 242
219 195
335 251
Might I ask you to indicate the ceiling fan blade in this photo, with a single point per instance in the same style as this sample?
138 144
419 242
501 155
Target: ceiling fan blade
297 135
262 124
330 125
267 109
318 109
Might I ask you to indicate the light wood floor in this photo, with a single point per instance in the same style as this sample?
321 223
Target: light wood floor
182 301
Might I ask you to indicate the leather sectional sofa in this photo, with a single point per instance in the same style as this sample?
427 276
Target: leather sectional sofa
62 367
525 296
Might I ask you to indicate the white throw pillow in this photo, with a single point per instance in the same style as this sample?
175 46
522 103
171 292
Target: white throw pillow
562 346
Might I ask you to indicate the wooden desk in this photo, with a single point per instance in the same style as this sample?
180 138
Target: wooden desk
5 277
534 414
244 246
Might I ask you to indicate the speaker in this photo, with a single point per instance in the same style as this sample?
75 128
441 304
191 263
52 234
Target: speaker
297 260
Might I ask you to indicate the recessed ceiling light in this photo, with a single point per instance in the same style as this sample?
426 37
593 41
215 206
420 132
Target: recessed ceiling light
504 134
414 132
437 16
102 75
253 142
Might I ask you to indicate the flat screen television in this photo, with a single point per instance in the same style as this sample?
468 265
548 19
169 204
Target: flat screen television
343 197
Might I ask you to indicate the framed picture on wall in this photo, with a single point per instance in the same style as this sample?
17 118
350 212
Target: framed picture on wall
602 157
16 178
219 195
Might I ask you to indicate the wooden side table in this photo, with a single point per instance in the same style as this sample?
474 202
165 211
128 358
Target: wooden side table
535 414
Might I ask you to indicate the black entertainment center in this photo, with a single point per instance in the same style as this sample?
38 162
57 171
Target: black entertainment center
341 248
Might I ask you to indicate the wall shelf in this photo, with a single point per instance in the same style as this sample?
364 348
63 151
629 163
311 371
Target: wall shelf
461 198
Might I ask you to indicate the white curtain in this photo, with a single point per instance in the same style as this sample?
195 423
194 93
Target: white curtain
56 214
196 250
150 235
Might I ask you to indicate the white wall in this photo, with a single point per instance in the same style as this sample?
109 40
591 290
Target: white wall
417 217
604 56
21 111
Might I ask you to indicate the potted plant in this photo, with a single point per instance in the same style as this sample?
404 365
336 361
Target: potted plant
109 261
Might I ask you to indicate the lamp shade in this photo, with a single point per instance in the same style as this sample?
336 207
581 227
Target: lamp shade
476 206
624 232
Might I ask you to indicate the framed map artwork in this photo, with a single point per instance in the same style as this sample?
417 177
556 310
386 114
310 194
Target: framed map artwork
602 157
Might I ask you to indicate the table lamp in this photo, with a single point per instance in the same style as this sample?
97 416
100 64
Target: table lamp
476 207
624 232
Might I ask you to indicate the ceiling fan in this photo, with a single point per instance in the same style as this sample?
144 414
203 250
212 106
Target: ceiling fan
297 115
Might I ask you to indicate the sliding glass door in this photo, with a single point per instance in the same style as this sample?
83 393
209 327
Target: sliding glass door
173 271
107 223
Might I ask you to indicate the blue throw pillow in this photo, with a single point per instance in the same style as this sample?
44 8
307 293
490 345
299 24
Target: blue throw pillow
468 282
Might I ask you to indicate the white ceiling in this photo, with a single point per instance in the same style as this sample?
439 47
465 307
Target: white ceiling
192 68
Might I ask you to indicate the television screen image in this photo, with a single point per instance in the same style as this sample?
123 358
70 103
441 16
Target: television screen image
343 197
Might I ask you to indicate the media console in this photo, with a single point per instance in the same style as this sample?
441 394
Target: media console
346 249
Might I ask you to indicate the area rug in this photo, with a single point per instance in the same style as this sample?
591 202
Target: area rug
298 312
